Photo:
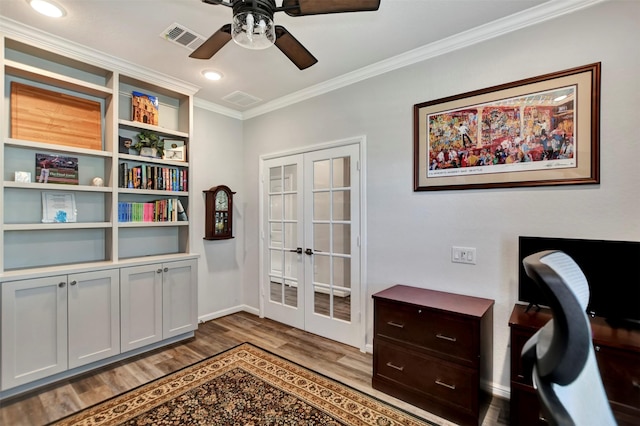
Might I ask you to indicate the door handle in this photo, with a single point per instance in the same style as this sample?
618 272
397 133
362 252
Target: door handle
308 251
296 250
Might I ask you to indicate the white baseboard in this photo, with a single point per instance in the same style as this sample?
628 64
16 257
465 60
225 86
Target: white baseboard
228 311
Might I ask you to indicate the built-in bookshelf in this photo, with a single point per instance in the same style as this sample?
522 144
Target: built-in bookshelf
82 287
99 235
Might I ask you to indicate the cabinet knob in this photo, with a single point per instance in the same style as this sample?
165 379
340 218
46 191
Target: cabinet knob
159 271
61 284
597 348
73 282
166 269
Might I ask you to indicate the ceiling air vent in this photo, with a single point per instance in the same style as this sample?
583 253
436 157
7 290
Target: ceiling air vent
179 34
241 98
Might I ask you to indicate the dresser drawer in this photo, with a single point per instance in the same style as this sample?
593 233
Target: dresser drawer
446 382
441 334
620 372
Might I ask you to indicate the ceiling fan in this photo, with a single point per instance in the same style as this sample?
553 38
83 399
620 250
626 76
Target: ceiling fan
252 25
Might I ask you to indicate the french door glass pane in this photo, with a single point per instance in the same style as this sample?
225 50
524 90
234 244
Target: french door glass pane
341 238
321 237
290 178
275 207
290 207
290 236
321 206
341 205
342 272
321 174
341 174
275 179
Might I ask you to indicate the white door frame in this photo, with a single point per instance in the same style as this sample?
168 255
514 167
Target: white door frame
361 141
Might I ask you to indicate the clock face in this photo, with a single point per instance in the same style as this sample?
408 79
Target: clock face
222 202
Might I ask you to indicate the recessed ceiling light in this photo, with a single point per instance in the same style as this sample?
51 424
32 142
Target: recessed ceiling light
212 75
47 8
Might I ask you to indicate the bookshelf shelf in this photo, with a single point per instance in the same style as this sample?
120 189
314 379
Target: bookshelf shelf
135 125
52 226
152 224
56 187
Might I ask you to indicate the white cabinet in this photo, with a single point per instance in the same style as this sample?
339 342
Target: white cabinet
141 306
93 316
158 301
179 303
59 322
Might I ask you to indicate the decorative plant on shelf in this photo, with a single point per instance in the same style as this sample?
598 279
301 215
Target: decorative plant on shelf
148 139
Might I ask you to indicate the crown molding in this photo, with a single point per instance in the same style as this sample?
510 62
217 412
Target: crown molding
222 110
536 15
34 36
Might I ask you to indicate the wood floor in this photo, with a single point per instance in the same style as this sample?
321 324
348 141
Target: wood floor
343 363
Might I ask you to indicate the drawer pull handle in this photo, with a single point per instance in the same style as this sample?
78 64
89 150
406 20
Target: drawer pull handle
443 337
395 324
446 385
389 364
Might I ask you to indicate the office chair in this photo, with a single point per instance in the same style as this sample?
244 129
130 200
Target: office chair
560 355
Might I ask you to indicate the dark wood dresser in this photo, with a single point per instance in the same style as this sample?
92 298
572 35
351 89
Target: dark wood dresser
618 355
430 349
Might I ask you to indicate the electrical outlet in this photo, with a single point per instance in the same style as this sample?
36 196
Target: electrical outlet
463 255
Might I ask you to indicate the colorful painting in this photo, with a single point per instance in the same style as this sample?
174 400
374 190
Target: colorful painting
539 131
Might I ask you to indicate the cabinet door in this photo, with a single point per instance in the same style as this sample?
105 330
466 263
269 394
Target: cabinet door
34 329
141 306
180 309
94 316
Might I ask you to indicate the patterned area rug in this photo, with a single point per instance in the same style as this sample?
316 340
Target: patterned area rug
244 386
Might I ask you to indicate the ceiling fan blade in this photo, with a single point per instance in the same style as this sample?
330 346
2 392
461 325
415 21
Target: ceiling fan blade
293 49
213 44
316 7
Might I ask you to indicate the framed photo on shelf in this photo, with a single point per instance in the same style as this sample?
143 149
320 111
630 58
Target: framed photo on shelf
174 150
58 207
144 108
56 169
538 131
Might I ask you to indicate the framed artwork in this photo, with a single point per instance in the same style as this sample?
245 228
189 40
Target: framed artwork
538 131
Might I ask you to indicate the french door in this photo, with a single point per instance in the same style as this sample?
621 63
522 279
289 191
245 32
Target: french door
311 260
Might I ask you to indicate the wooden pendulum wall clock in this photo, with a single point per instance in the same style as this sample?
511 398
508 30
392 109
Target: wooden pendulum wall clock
219 213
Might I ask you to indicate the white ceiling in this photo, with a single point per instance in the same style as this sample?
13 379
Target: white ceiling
348 46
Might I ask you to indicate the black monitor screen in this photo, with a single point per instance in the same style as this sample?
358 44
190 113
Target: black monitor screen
612 269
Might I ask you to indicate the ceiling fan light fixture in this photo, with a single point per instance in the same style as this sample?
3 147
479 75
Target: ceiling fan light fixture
253 30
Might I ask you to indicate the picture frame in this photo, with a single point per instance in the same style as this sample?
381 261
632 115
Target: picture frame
538 131
174 150
58 207
58 169
144 108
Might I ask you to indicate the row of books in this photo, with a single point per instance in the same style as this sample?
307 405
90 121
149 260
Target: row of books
152 177
166 210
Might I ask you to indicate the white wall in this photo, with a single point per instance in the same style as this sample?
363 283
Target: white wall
216 159
410 234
